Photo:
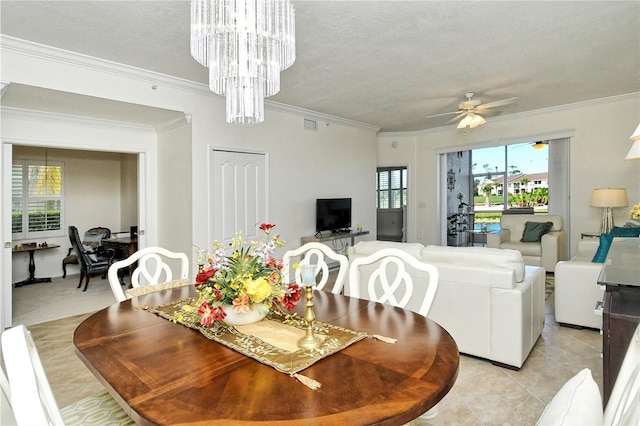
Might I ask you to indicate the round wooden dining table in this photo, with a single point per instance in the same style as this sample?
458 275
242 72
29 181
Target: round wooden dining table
165 373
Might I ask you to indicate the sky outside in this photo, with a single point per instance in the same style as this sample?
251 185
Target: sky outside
522 156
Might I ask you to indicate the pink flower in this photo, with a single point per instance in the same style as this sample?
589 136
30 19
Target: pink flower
241 304
208 314
291 296
266 227
203 276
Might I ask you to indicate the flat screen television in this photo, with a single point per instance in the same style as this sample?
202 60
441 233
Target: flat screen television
333 214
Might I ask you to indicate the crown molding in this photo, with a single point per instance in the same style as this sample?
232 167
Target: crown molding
171 124
57 118
559 108
41 51
307 113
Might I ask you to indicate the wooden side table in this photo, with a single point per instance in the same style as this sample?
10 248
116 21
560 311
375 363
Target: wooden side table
590 235
32 248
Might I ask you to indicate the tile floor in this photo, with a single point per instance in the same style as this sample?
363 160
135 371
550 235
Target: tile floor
483 394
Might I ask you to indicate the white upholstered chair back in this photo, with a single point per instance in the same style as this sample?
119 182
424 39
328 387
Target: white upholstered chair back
32 401
623 407
316 254
151 269
391 282
6 413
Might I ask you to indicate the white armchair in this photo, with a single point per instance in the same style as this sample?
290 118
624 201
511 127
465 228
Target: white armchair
551 248
576 287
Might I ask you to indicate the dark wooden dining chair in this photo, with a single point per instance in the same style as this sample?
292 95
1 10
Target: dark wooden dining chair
92 262
93 237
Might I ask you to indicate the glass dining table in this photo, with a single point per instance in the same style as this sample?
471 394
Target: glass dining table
165 373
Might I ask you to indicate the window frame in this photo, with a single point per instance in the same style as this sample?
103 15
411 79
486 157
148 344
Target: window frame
404 186
24 200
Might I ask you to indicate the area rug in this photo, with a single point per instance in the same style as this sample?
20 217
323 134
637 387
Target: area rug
99 409
549 285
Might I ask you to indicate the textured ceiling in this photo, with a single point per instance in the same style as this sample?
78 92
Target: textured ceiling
384 63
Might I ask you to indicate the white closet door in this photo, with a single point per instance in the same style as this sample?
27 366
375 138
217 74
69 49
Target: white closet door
239 194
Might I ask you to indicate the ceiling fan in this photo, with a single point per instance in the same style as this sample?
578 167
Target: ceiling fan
539 145
469 111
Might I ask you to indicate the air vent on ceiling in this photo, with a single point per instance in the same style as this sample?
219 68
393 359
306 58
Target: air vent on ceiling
310 124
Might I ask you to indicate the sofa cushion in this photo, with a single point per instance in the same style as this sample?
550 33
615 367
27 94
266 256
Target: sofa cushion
515 223
533 231
578 402
476 257
526 249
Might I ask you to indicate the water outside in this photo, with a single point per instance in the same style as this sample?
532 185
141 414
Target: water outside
491 227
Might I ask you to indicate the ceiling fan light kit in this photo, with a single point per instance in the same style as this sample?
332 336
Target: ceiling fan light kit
469 111
471 120
539 145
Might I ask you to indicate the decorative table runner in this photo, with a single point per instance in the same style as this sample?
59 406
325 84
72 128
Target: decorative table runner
272 341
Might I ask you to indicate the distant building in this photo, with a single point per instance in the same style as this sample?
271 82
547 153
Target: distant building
517 183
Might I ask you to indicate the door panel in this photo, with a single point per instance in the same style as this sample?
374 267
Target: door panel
239 194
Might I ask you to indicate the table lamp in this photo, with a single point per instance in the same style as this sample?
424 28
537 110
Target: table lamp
607 198
634 152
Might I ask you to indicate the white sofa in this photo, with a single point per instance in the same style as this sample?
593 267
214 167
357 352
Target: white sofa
546 253
576 287
487 299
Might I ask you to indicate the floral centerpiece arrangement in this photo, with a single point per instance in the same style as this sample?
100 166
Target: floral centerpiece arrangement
244 281
635 212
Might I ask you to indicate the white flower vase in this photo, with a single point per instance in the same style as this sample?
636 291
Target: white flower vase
256 314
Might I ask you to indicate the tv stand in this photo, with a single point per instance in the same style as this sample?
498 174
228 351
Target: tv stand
333 236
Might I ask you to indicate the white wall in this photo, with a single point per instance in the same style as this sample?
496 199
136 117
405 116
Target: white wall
339 159
175 188
600 141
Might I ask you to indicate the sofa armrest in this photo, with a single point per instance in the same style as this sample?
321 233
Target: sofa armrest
588 246
576 292
494 240
553 249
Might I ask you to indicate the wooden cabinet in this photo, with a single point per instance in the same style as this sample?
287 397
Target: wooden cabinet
331 237
621 313
621 316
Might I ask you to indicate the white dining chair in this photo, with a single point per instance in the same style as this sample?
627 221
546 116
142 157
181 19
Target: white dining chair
151 269
316 254
27 398
391 283
30 395
6 413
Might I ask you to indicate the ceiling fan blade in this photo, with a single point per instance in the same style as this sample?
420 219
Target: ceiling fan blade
497 103
440 115
457 117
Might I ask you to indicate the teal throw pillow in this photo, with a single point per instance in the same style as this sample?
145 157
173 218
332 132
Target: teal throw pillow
533 231
631 232
603 248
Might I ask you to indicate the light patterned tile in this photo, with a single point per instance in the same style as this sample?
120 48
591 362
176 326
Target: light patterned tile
524 409
483 394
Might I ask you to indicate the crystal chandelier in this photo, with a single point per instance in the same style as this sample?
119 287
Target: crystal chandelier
245 44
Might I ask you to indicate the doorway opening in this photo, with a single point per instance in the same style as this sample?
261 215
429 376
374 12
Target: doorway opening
391 203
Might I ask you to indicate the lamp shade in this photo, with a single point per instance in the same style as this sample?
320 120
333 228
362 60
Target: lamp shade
636 135
634 152
609 197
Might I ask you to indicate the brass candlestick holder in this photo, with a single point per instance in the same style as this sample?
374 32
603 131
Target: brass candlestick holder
309 341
